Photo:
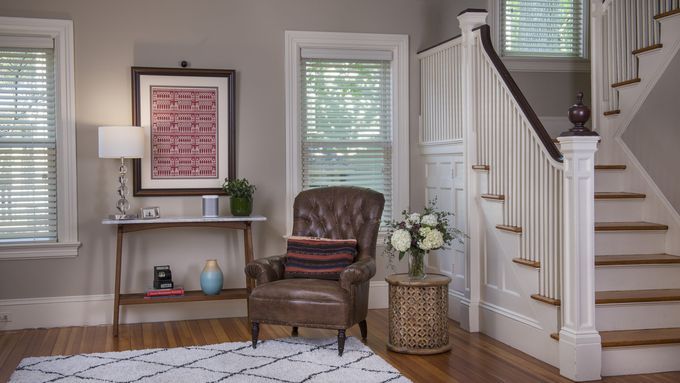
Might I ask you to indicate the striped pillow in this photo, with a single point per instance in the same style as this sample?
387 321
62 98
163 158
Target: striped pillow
320 258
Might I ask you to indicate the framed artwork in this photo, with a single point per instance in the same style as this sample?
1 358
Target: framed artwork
188 116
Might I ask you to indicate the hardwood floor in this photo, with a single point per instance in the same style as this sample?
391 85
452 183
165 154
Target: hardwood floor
474 357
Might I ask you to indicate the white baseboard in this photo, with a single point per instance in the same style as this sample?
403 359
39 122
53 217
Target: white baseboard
92 310
518 331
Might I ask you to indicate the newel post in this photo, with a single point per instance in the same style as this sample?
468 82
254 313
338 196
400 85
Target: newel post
468 20
580 347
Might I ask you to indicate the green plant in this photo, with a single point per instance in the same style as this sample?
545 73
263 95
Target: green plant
239 188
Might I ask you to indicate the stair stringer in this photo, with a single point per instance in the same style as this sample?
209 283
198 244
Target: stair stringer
652 65
507 311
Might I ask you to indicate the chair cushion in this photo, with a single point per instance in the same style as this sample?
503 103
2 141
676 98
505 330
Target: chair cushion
322 258
302 302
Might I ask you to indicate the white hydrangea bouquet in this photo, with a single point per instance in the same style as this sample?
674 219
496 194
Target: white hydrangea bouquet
417 234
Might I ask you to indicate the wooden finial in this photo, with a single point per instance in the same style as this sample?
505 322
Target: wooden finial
579 114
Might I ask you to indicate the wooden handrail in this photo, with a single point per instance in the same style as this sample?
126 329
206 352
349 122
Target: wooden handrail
485 34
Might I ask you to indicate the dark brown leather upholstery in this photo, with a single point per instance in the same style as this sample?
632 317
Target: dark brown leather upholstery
334 212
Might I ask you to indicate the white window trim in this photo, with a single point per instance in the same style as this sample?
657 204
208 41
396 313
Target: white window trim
67 214
398 45
540 64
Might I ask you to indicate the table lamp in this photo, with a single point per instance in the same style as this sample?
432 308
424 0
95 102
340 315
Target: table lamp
121 142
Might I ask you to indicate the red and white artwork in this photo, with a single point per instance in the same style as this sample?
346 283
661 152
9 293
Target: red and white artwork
183 132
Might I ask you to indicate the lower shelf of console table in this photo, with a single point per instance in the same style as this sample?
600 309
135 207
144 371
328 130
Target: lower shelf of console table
189 296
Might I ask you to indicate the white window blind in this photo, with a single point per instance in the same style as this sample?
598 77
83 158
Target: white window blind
28 179
548 28
346 122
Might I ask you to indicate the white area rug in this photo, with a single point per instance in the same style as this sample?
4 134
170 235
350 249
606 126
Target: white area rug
274 361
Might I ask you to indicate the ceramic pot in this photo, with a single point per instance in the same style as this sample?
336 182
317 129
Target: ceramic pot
211 278
241 206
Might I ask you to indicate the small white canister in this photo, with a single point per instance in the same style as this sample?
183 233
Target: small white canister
210 206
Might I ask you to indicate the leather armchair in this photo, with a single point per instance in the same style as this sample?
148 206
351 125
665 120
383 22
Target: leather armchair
332 212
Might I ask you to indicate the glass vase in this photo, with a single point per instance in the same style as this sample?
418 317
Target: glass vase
416 265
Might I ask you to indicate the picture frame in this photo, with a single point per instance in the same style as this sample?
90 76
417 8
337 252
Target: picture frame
150 212
190 125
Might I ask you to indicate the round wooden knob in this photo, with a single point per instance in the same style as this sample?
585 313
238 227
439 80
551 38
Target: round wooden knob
579 114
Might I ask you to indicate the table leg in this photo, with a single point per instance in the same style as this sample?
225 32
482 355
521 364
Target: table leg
248 249
116 292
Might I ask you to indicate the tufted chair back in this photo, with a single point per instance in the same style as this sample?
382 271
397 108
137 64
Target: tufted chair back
340 212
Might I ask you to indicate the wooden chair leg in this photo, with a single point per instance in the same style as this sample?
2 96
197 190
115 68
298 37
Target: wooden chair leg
294 332
341 342
364 329
255 333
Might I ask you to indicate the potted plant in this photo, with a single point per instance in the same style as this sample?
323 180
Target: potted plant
418 234
240 193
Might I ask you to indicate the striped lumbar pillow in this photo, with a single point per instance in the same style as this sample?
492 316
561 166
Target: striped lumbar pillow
322 258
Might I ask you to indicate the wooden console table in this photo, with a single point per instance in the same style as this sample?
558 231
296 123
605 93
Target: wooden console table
227 222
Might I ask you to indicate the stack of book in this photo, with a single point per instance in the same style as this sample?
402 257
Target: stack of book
163 287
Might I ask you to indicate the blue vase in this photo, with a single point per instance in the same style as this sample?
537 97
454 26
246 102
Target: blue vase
211 278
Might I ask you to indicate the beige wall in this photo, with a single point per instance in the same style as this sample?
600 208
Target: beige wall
246 35
654 134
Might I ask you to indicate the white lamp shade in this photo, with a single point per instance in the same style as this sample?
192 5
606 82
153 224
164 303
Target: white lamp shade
121 142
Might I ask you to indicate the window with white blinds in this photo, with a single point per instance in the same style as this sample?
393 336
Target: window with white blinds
346 124
28 179
542 28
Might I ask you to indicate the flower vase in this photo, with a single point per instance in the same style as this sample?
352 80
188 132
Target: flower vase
416 264
211 278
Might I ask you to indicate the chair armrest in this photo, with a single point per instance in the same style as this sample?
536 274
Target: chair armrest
266 270
357 273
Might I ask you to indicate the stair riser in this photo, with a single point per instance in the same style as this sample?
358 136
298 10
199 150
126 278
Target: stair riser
609 180
633 316
637 277
613 210
640 360
630 242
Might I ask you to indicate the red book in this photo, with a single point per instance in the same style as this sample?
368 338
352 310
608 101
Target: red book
165 292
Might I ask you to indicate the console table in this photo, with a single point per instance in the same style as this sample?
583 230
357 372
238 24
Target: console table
132 225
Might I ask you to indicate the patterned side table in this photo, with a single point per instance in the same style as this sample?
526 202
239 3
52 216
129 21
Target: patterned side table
418 322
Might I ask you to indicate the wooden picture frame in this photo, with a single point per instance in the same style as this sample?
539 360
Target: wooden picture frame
190 124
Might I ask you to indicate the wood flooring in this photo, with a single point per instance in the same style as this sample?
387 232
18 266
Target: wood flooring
474 357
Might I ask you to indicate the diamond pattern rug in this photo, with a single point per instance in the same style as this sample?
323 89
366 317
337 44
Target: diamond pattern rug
274 361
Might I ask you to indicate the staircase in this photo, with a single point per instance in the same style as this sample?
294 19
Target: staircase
530 223
637 284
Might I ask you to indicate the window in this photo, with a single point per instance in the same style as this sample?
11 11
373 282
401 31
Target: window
348 114
541 35
37 149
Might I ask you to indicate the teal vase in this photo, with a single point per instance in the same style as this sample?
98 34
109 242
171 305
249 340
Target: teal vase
211 278
241 207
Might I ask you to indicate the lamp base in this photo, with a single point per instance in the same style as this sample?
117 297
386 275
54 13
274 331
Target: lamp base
123 216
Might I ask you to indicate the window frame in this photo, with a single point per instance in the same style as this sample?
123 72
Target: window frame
541 63
398 45
67 215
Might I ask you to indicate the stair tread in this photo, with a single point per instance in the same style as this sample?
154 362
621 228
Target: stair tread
612 112
513 229
633 296
618 195
480 167
636 259
621 338
627 82
610 167
647 49
666 14
497 197
626 226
